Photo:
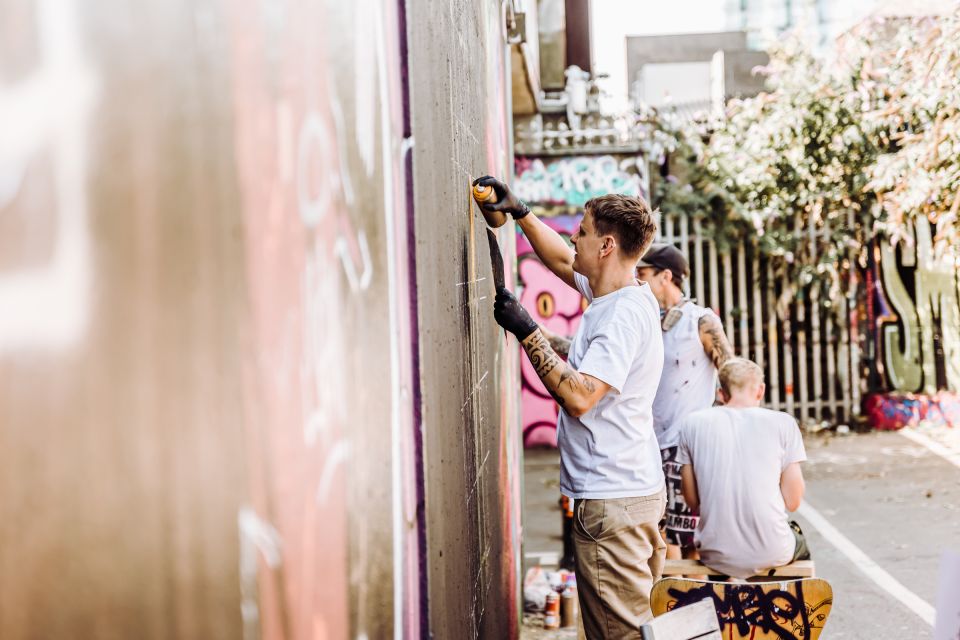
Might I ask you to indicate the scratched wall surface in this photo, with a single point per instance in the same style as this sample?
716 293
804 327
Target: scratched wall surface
471 437
205 418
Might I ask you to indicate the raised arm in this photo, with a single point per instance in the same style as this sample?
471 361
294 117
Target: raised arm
577 393
792 486
549 246
715 343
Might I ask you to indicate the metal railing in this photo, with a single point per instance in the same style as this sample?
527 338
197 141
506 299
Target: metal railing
810 358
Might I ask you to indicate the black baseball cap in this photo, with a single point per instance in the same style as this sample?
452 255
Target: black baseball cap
666 256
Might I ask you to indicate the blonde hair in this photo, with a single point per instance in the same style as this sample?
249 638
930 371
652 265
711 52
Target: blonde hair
737 373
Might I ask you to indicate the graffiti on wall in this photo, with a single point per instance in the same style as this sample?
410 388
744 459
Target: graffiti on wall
320 175
890 411
556 306
573 180
914 307
51 300
920 339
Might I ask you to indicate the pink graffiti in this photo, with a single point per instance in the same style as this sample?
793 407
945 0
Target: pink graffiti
557 307
892 411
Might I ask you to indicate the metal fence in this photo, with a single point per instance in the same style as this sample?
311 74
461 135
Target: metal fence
810 358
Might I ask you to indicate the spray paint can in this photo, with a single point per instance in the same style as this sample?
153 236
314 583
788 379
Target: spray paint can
569 608
486 195
552 611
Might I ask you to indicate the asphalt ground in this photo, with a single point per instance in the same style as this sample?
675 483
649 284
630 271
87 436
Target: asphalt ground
880 509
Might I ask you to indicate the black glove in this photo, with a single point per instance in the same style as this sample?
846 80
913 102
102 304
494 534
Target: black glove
510 314
506 200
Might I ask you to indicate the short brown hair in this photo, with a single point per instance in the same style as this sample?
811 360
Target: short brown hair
627 218
737 373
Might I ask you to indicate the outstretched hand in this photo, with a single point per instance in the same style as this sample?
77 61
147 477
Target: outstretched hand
507 201
510 314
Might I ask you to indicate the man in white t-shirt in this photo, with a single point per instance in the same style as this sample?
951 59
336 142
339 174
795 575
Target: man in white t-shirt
741 467
609 456
694 348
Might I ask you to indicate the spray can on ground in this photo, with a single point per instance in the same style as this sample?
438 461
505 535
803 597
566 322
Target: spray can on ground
486 195
552 618
569 605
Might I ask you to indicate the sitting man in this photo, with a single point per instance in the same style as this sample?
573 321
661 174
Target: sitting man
741 467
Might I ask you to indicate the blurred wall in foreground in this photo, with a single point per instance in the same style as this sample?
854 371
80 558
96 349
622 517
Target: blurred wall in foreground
250 383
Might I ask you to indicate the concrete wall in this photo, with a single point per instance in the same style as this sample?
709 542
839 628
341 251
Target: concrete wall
209 352
471 440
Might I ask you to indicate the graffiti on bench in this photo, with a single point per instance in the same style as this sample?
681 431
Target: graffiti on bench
792 610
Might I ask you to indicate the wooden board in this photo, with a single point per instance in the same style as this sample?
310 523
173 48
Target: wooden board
791 609
798 569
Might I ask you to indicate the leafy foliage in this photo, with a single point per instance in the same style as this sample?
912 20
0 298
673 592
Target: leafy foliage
833 154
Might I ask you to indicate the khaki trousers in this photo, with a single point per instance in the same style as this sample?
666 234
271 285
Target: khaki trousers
619 554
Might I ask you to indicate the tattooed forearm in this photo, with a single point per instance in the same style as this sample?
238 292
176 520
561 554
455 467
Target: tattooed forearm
715 343
572 390
542 356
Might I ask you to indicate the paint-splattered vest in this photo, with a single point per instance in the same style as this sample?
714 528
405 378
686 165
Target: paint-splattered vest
689 379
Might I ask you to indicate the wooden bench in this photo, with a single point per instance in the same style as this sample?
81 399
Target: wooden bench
798 569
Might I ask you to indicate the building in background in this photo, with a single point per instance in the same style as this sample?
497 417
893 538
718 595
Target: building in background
692 72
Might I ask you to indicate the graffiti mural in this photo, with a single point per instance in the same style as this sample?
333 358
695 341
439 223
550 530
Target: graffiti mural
921 339
321 192
914 307
889 411
573 180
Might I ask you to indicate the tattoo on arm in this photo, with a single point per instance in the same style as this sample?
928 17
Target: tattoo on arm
545 362
715 343
542 356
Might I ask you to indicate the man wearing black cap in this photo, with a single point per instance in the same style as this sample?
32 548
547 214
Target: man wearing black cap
694 349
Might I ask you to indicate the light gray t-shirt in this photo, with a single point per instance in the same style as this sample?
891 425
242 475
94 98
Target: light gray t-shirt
611 451
689 380
737 457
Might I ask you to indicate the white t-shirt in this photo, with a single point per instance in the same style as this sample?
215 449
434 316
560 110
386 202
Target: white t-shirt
737 457
689 380
611 451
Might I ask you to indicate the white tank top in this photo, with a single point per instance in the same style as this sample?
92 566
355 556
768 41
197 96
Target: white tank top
689 379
